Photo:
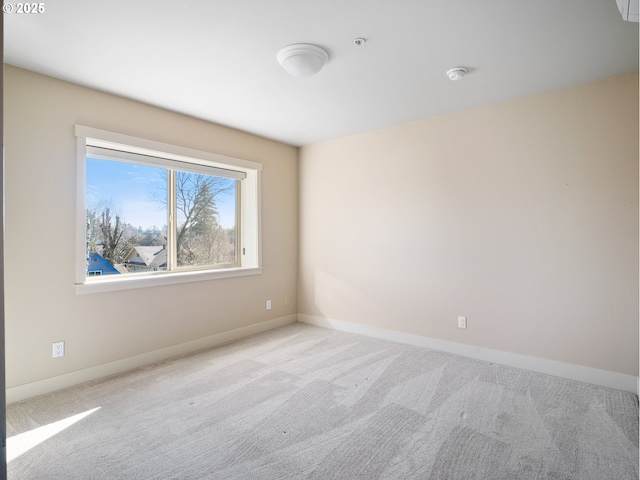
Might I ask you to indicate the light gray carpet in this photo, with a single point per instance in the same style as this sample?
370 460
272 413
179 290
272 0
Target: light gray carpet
302 402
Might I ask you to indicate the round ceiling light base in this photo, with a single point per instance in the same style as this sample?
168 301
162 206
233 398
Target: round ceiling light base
302 59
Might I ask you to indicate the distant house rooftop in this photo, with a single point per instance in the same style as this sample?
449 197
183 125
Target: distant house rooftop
145 258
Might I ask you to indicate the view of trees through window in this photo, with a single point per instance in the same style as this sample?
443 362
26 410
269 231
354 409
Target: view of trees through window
127 212
200 239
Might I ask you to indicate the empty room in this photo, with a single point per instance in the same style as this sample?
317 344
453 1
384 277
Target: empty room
321 240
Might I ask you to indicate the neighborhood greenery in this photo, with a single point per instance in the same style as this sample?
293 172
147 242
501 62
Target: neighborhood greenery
200 240
199 237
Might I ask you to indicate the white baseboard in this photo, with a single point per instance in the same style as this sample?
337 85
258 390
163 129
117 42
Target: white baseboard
21 392
603 378
579 373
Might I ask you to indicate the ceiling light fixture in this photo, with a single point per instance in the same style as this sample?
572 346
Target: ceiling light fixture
457 73
302 59
359 42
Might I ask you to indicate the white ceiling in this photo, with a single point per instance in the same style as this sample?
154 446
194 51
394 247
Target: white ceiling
216 59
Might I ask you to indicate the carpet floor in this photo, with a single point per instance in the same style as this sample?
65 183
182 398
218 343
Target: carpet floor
302 402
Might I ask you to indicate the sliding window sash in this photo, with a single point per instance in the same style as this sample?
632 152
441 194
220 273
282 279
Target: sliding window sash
102 153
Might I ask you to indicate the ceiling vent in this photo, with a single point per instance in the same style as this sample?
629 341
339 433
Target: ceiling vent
629 10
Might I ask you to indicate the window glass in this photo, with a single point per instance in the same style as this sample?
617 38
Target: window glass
206 219
129 212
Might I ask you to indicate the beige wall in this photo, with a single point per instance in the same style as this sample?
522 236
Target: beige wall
41 303
522 215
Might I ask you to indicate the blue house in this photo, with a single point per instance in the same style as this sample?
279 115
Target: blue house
98 266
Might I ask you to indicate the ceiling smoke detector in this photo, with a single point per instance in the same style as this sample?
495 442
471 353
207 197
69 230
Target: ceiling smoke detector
457 73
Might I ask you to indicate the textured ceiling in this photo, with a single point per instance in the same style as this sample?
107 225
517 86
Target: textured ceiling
216 60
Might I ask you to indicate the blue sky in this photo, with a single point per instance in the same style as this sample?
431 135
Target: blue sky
130 190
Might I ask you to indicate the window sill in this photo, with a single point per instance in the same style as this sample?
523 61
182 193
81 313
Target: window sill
120 283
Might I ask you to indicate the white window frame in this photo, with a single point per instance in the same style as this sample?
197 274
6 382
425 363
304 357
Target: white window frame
250 253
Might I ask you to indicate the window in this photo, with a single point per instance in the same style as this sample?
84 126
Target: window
152 213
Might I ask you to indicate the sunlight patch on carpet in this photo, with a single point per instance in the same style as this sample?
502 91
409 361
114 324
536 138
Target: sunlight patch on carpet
23 442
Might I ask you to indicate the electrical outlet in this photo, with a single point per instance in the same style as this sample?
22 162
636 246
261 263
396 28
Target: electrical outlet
462 322
268 304
58 349
287 301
